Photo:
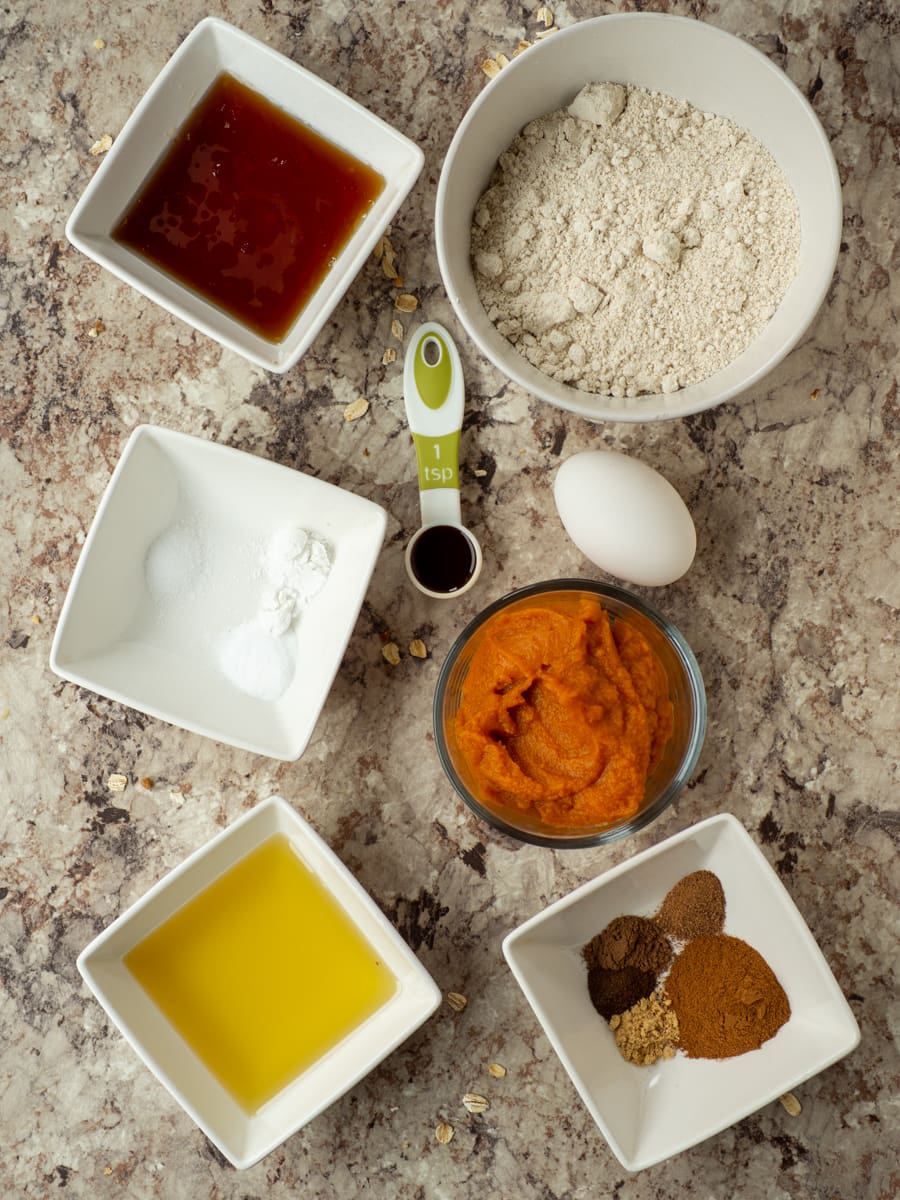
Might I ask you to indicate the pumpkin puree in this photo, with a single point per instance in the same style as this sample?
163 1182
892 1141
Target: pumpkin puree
564 713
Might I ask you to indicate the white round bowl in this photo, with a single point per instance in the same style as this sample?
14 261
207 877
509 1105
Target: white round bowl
692 61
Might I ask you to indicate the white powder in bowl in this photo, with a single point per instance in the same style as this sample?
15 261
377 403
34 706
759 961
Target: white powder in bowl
256 662
176 562
632 244
186 568
257 656
297 560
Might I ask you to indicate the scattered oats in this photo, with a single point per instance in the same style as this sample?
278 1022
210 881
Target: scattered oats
521 48
475 1103
496 1071
4 714
457 1001
542 33
117 783
545 14
387 265
378 252
391 653
358 408
107 1170
389 356
490 68
96 329
444 1133
502 61
35 619
101 146
791 1104
397 330
397 281
147 782
814 394
418 649
479 473
406 303
99 44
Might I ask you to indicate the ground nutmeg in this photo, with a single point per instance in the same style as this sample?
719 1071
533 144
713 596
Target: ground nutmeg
694 907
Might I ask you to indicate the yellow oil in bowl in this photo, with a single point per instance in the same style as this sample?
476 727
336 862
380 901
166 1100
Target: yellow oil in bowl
262 973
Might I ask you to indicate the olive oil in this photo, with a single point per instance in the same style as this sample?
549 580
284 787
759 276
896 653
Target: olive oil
261 973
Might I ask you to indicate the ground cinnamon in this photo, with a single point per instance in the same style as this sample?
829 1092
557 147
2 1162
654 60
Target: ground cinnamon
725 996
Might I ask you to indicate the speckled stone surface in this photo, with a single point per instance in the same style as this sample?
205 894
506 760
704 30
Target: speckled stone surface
791 607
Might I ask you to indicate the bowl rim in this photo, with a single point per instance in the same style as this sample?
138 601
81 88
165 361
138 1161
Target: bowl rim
644 817
597 407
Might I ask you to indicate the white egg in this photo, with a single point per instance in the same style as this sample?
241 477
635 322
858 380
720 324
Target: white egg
625 517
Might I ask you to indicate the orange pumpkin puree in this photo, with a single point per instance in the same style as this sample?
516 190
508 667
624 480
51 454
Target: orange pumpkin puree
564 713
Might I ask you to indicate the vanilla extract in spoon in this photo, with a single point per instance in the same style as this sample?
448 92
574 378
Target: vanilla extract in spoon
442 558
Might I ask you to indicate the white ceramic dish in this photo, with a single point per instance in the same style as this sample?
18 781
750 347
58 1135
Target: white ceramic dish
243 1138
112 638
693 61
648 1114
212 48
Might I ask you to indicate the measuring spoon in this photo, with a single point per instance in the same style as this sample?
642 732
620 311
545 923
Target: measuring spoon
443 558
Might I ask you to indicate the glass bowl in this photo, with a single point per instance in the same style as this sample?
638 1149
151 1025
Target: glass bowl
680 753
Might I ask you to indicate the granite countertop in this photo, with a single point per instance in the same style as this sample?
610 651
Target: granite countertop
791 608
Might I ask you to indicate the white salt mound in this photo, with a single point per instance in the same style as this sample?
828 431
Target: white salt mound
175 562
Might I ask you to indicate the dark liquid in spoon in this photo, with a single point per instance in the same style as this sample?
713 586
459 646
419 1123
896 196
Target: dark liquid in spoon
443 558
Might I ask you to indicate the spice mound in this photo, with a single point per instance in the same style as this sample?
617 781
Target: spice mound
717 999
624 963
726 997
629 942
648 1031
695 906
563 713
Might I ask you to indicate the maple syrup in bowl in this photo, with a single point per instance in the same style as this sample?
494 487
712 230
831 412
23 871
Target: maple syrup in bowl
249 207
244 195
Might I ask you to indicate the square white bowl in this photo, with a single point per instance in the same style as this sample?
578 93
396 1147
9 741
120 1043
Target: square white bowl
110 637
214 47
244 1138
648 1114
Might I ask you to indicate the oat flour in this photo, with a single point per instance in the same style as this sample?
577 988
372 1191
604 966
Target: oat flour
632 244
